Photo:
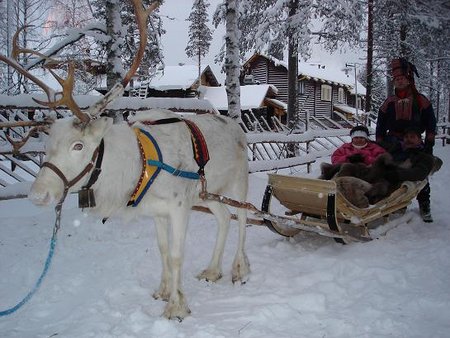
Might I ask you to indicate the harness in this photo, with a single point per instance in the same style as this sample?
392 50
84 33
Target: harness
86 195
152 164
152 159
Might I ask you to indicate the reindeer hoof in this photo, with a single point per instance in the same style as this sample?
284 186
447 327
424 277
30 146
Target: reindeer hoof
162 295
176 311
210 275
241 269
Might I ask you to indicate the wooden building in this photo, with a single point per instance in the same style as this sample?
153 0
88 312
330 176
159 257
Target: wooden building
257 100
175 81
321 88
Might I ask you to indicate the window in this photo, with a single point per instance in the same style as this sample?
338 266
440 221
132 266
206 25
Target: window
325 93
301 87
341 95
358 103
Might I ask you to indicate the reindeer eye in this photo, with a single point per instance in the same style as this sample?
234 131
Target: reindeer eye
77 146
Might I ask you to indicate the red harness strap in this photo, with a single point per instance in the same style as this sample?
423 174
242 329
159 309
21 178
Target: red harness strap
199 147
201 154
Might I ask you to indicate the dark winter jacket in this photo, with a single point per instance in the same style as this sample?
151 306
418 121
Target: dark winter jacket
397 114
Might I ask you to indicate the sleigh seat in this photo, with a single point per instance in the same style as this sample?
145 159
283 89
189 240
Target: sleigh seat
318 203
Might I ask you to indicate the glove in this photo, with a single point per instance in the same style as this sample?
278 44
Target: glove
392 176
356 158
428 148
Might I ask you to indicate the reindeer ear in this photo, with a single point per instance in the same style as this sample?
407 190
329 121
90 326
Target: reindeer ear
98 127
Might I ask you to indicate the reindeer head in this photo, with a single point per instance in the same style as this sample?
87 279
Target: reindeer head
74 144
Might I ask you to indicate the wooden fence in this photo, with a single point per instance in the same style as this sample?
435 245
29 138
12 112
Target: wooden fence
269 148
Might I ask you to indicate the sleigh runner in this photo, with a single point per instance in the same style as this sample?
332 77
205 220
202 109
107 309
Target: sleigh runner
316 205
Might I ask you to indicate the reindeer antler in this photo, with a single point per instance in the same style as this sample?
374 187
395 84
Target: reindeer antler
16 50
67 85
117 90
67 94
27 74
13 124
141 19
16 145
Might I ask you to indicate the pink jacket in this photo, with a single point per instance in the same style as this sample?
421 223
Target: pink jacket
370 152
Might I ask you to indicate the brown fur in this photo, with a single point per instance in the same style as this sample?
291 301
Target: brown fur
354 189
363 185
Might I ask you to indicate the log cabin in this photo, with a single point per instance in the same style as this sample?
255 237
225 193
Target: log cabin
323 90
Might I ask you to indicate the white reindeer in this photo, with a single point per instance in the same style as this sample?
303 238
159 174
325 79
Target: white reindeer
74 147
169 199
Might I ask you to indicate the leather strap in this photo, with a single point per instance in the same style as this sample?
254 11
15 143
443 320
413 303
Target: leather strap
98 166
72 182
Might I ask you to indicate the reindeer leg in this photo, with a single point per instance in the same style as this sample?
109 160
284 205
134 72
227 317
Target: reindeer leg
177 307
241 266
163 244
223 216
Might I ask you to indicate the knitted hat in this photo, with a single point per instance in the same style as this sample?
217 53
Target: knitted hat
359 131
402 66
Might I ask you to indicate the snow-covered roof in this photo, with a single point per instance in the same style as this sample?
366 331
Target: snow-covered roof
277 103
252 96
330 74
347 109
177 77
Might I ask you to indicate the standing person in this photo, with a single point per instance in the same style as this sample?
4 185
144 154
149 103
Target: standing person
360 150
405 109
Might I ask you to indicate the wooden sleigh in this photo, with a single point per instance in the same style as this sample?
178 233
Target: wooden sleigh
316 205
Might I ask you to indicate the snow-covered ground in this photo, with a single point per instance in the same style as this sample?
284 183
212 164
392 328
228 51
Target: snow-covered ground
102 277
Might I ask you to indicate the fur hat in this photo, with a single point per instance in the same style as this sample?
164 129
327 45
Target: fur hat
402 66
359 131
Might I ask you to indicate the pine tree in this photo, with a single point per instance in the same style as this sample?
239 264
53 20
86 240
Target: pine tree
200 35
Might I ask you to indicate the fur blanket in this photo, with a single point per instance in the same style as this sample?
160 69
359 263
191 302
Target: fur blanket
363 185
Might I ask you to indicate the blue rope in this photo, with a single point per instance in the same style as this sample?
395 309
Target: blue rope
175 172
39 281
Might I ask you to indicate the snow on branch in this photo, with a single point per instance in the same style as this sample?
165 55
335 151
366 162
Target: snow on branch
97 30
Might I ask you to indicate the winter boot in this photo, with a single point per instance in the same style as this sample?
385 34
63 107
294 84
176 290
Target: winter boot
425 212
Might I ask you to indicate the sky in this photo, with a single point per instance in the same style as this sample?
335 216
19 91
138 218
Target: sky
175 40
177 27
102 277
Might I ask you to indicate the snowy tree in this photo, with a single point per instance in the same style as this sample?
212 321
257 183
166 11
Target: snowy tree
20 14
334 23
200 35
228 11
65 17
418 30
153 57
122 38
114 45
378 87
271 24
232 65
369 65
